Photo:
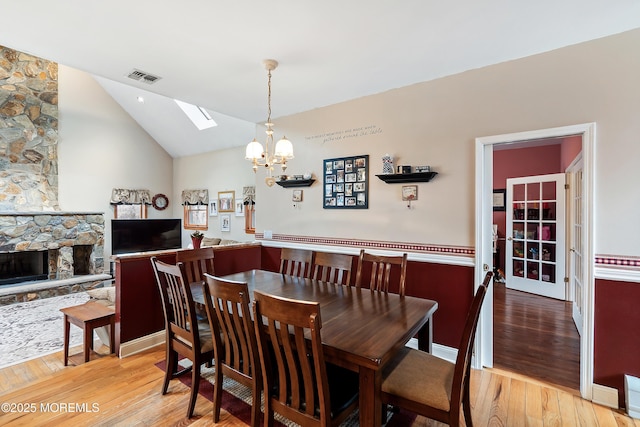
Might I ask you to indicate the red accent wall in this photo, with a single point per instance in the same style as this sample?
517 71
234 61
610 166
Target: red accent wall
517 163
616 334
138 305
451 286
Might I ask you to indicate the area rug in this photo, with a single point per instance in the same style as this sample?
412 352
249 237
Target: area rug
236 400
33 329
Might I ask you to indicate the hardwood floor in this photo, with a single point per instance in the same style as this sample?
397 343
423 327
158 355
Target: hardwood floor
126 392
535 336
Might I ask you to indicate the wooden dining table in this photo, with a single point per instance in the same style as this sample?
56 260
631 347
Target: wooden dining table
361 329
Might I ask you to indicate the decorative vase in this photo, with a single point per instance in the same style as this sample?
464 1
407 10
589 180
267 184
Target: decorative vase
387 164
196 243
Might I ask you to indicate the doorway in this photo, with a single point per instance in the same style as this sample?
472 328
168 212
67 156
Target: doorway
484 239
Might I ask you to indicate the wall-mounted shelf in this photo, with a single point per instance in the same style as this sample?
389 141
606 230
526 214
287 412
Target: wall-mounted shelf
397 178
296 183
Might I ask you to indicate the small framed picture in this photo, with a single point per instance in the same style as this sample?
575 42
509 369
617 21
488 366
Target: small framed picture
499 199
225 222
409 193
297 196
226 201
213 208
239 208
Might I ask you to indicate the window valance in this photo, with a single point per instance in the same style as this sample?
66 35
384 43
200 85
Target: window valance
249 195
195 197
125 196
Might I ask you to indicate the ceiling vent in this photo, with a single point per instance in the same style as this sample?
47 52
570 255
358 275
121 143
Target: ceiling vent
141 76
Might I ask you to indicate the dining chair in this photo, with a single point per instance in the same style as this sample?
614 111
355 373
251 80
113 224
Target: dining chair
431 386
182 338
298 384
234 340
381 271
296 262
196 263
333 268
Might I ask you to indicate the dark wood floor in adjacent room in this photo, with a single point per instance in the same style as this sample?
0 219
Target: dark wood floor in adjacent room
535 336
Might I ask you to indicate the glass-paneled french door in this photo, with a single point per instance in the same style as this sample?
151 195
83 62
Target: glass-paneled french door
535 247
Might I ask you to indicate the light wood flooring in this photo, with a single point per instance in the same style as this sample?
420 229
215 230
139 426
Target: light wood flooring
126 392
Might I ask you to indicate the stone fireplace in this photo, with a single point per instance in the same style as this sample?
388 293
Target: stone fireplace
44 251
70 243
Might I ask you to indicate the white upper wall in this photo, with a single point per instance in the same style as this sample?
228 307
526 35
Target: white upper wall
436 123
102 147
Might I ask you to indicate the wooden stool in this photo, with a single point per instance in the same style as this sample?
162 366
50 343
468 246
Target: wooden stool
88 316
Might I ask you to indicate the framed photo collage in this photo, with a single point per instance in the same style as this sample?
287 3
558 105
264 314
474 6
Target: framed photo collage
346 183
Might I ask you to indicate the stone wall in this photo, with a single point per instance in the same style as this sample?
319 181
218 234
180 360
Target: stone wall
28 132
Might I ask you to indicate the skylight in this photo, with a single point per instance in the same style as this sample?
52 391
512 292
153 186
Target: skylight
198 115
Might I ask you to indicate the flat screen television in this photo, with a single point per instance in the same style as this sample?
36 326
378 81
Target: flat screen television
141 235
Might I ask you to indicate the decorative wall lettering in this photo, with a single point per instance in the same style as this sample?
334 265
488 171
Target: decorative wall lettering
341 135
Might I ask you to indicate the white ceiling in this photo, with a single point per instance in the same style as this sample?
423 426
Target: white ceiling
209 52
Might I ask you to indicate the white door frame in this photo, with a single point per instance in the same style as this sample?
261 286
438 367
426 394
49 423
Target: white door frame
484 239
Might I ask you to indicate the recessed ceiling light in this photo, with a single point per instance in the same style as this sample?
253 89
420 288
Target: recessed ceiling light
141 100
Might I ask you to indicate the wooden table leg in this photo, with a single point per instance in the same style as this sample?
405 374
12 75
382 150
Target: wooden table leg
425 337
112 333
88 340
370 404
66 339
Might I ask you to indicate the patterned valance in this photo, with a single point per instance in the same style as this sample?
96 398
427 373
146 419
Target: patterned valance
195 197
125 196
249 195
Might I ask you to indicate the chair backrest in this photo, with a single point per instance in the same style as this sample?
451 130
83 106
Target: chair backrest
332 268
293 367
381 271
296 262
463 360
197 262
229 313
179 308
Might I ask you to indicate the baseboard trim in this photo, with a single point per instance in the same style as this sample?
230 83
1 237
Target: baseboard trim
439 350
141 344
606 396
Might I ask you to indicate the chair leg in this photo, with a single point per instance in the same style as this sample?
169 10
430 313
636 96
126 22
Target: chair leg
466 405
217 394
172 365
255 407
195 385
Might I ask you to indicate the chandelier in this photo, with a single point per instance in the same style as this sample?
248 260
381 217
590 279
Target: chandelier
282 151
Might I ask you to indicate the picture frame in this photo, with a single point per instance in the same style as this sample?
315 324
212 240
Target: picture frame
346 183
239 208
225 222
409 193
226 201
213 208
297 196
499 199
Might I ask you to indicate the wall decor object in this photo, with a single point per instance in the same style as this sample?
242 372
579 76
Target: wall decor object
239 208
160 202
499 199
387 164
297 196
346 183
225 222
213 208
409 193
226 201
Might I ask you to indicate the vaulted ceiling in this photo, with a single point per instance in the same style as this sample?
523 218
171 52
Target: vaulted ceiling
209 52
